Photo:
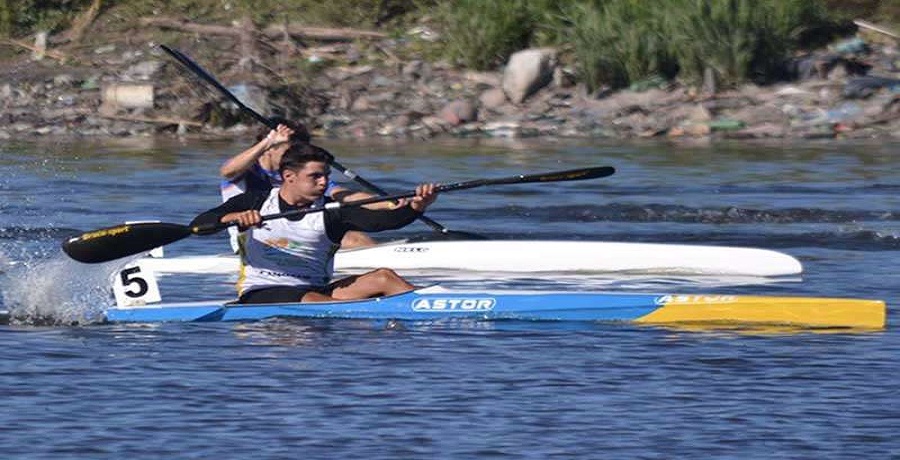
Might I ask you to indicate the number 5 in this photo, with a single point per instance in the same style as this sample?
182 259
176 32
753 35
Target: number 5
134 285
128 279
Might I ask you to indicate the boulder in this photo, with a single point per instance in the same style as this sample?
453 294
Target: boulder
492 98
527 72
458 112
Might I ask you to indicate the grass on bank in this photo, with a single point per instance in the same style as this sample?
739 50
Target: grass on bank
612 43
619 42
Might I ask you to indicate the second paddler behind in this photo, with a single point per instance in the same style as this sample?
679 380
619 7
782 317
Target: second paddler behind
290 260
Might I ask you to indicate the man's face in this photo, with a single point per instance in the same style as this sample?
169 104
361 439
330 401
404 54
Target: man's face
308 183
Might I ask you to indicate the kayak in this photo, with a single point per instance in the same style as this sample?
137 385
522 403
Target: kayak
529 256
439 303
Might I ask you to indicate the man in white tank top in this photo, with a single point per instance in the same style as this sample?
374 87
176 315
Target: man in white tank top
290 259
256 168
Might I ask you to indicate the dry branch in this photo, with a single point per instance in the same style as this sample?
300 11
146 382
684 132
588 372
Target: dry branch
178 24
323 33
53 54
876 28
156 120
83 21
273 31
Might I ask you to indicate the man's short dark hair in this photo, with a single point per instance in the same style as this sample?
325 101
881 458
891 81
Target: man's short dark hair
297 155
301 134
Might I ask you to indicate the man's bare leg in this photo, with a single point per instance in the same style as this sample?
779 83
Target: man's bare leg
354 239
376 283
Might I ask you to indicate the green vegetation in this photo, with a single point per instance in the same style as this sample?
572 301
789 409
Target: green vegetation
883 11
25 16
737 40
612 43
482 34
619 42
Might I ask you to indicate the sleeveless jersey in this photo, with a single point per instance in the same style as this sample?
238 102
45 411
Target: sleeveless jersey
256 178
286 252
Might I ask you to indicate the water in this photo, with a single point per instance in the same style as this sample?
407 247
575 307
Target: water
357 389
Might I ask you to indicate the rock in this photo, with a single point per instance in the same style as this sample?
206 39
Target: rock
414 70
63 79
492 79
527 72
564 78
764 130
863 87
91 83
695 113
382 97
792 91
458 112
690 129
758 114
144 70
506 128
404 120
361 104
105 49
435 124
492 98
419 105
382 81
424 33
845 112
67 100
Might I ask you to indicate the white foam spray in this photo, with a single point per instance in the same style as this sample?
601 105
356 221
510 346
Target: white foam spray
56 291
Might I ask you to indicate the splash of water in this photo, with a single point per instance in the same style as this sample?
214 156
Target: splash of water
56 291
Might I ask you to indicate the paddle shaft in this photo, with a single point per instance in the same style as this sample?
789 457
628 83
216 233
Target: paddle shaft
207 77
570 175
120 241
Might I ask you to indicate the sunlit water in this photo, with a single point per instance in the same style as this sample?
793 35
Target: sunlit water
75 388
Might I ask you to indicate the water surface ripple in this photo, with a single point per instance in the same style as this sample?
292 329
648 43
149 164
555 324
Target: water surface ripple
461 389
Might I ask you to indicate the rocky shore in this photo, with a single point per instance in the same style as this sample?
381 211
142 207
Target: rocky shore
361 89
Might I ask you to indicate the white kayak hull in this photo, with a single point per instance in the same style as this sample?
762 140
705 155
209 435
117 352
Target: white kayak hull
530 257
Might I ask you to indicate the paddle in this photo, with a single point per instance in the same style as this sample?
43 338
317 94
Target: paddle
192 66
112 243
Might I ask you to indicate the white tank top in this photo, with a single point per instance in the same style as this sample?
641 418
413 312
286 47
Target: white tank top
286 253
259 177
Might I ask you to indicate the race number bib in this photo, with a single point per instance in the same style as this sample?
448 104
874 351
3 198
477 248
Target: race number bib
135 285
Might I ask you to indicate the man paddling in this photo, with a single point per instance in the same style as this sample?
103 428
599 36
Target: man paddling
256 168
290 260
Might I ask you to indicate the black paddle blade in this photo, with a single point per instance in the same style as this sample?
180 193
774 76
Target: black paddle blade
123 240
573 174
559 176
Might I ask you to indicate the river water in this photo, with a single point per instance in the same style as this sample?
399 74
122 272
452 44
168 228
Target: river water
356 389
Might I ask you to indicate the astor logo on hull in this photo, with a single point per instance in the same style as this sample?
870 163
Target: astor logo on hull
695 299
453 304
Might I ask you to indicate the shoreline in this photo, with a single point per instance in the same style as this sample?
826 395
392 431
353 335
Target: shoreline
117 90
